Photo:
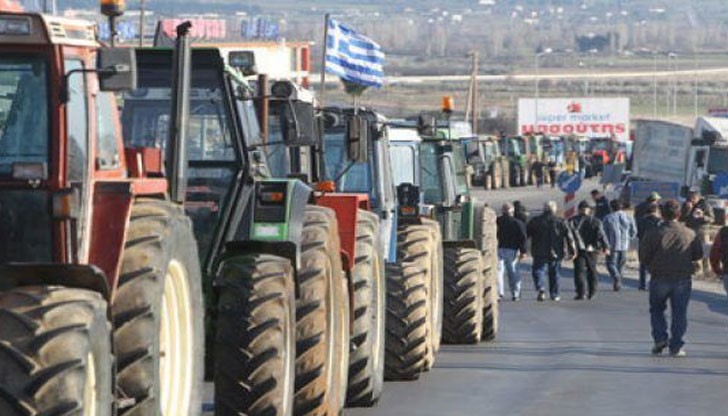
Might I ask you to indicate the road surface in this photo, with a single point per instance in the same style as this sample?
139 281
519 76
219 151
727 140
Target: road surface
575 357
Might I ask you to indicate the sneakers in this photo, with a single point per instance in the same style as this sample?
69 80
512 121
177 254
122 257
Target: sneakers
516 298
579 297
617 286
658 348
556 298
541 296
679 353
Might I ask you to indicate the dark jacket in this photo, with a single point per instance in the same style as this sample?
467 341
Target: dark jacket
550 237
602 207
521 213
589 233
670 250
719 252
511 233
646 223
697 223
642 209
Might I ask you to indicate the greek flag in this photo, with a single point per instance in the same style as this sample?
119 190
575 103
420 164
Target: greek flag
353 57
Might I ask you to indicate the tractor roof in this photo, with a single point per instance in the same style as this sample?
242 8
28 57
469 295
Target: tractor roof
39 29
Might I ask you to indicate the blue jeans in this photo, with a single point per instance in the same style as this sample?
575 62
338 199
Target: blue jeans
507 263
539 270
677 292
615 264
643 276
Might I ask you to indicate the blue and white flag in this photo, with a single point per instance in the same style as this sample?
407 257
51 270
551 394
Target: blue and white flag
353 57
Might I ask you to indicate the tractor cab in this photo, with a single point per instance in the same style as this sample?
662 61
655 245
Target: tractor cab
224 145
356 158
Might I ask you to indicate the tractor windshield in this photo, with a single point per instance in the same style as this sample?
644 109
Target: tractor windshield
350 177
23 115
431 185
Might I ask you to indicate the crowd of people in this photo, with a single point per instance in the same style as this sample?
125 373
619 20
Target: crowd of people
669 238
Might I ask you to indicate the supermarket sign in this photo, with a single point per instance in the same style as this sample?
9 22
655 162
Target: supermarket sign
589 117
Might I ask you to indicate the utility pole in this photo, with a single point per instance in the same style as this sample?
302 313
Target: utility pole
141 22
474 105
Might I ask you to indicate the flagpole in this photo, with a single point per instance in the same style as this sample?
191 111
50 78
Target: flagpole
322 88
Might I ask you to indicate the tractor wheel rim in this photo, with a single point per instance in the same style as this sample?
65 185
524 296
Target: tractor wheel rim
331 334
176 349
89 390
377 320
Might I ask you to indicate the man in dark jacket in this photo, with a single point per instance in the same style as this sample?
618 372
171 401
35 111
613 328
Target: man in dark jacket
520 211
643 207
551 243
601 204
698 215
590 240
511 247
649 220
669 251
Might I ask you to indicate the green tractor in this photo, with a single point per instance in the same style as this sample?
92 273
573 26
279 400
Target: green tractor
363 249
277 302
432 183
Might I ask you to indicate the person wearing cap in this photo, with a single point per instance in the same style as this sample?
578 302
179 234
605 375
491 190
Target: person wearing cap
590 239
551 243
643 207
670 252
645 223
620 229
511 248
601 204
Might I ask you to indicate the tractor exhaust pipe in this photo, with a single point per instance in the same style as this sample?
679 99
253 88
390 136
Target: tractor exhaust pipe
179 116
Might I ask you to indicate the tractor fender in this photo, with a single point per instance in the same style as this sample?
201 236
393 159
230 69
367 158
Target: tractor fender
76 276
285 249
459 244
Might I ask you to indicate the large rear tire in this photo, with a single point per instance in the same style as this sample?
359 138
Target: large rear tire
55 352
421 245
158 314
322 318
487 239
255 347
463 323
406 340
366 362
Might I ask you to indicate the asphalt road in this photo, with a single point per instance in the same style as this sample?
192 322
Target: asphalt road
575 357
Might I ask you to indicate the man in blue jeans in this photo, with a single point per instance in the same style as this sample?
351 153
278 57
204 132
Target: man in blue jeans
551 243
511 248
620 229
670 251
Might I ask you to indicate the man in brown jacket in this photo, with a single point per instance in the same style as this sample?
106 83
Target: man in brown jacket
669 251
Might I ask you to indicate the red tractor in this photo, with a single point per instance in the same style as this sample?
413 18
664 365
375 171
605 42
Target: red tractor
101 305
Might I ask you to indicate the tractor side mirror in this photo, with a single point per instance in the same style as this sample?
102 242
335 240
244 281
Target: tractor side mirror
426 125
117 69
244 61
298 123
357 139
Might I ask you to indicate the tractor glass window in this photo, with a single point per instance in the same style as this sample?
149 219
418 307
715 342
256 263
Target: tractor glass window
403 164
279 161
23 111
430 177
107 152
213 161
352 177
461 174
77 123
249 122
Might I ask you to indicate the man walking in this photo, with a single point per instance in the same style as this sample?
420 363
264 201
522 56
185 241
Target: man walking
551 243
648 221
601 203
643 207
620 229
719 256
669 251
590 240
698 215
511 247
